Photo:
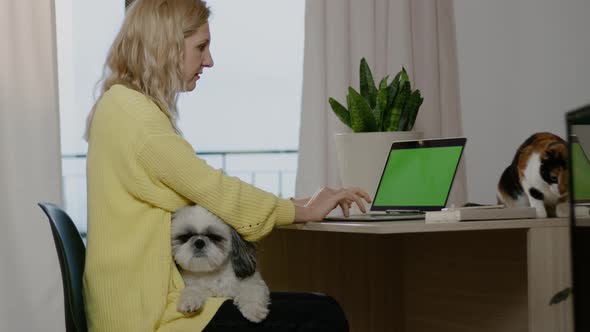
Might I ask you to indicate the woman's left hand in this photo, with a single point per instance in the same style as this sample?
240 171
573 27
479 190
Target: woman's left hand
327 199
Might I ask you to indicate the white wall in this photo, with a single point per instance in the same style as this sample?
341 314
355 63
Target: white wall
85 31
251 98
522 65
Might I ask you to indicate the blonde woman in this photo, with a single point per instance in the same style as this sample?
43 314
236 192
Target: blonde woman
140 170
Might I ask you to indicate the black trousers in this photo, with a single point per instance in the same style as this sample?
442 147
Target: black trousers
289 312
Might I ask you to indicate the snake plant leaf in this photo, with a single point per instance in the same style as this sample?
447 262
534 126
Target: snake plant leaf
378 115
392 89
368 89
340 111
381 105
398 105
383 83
361 116
404 77
415 109
408 116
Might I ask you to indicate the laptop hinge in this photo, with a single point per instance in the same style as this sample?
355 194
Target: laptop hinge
403 211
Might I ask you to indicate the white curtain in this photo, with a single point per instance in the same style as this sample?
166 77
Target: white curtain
31 297
416 34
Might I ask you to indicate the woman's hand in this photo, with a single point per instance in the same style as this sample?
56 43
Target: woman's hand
300 201
327 199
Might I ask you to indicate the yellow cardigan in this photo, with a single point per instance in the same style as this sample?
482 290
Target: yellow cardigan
140 171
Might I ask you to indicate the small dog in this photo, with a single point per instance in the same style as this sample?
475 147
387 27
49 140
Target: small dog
214 260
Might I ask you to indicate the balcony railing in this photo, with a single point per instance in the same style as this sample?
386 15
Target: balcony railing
270 170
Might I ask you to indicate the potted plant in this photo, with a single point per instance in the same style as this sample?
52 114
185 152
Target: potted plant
378 116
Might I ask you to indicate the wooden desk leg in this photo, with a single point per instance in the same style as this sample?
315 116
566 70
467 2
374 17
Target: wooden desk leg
549 271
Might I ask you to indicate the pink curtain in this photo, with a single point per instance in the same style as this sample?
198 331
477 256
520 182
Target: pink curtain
31 297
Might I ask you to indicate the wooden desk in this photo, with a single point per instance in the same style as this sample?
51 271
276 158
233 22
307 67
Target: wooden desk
412 276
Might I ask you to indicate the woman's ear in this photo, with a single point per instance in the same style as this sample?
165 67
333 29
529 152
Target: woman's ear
242 255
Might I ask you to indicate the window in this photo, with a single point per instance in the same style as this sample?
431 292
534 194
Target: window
242 117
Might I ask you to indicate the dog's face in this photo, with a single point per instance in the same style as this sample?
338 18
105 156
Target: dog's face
201 242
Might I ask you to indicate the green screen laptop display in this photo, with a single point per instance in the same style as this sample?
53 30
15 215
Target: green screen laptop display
419 177
581 173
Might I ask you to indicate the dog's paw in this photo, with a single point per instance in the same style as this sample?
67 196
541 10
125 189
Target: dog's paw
253 311
253 298
189 302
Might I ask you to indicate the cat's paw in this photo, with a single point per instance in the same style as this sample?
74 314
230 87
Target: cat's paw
562 210
190 302
541 212
253 311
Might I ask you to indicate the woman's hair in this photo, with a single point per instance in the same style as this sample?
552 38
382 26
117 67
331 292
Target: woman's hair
147 53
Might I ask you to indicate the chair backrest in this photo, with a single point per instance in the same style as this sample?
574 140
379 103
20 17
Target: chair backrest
71 252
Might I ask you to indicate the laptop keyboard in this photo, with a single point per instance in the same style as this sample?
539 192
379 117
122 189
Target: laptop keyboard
396 213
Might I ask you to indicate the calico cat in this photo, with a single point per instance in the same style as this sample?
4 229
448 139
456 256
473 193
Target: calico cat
538 177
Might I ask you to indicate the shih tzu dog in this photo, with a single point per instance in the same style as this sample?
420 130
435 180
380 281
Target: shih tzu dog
214 260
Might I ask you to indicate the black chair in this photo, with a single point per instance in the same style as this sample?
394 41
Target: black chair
71 252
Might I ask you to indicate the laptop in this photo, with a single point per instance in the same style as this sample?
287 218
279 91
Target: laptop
578 126
417 177
580 165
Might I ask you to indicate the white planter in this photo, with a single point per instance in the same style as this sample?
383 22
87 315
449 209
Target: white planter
362 157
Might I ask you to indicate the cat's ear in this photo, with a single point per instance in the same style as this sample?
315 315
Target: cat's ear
549 154
242 255
557 150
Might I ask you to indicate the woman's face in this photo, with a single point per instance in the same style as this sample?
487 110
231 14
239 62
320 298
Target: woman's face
196 56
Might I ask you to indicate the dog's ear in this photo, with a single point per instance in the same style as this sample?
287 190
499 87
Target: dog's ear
243 256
